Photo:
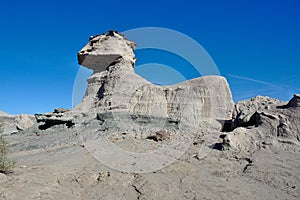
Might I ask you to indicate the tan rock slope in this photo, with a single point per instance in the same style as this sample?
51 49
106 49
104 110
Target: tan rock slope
130 139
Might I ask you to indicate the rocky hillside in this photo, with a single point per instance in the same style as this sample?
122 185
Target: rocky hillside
130 139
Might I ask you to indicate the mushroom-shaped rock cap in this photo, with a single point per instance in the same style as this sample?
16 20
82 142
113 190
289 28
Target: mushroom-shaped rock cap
103 50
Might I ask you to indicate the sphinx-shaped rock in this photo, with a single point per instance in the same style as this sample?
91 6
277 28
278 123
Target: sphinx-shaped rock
115 87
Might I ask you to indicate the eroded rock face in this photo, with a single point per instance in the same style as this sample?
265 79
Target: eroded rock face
263 121
114 86
244 111
24 121
49 120
295 101
103 50
15 123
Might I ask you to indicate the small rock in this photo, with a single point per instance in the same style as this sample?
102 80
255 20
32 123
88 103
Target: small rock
160 136
60 110
3 178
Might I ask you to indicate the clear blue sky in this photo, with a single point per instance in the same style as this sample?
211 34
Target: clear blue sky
255 43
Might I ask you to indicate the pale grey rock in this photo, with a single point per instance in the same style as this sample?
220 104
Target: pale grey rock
255 124
103 50
295 101
244 112
115 87
15 123
7 123
3 178
24 121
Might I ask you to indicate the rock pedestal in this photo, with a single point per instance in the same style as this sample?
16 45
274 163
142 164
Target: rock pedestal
114 86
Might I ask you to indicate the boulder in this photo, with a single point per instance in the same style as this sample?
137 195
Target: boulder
103 50
23 122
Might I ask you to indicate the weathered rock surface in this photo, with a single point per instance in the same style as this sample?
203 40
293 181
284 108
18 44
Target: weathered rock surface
244 112
264 118
15 123
295 101
103 50
3 178
256 158
114 86
48 120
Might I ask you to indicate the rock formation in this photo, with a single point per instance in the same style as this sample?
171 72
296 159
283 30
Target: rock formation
115 87
295 101
262 121
130 139
15 123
